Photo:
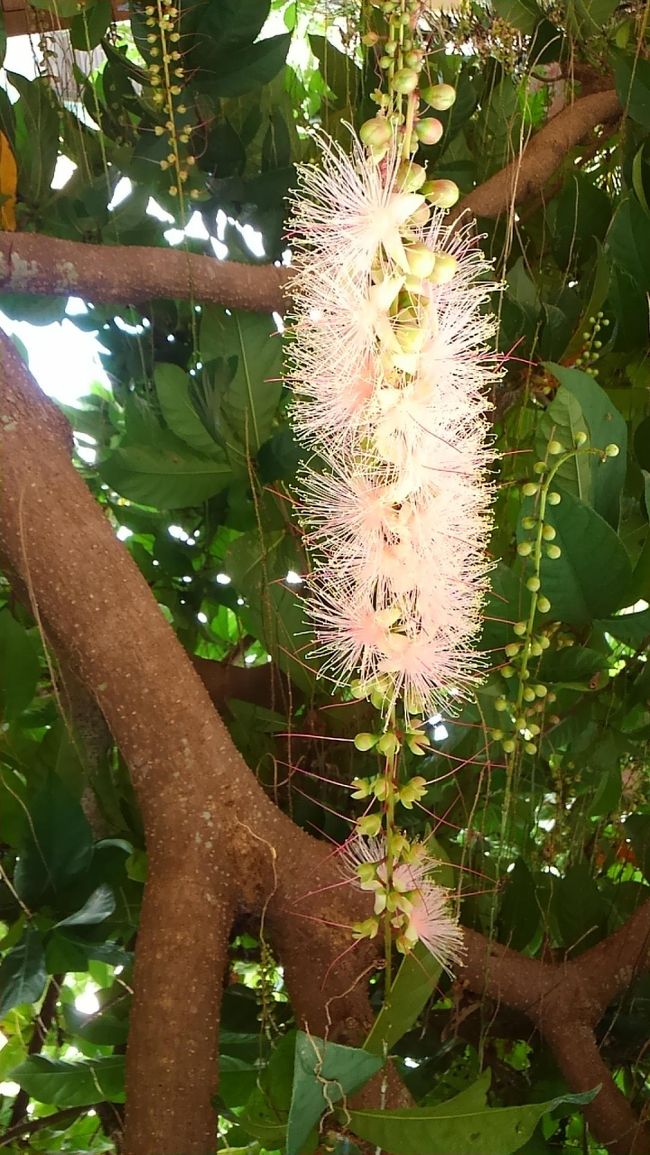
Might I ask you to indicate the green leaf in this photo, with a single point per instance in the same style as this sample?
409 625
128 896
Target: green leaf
88 27
173 389
323 1073
628 241
604 426
19 667
633 629
167 476
414 984
65 1084
22 973
580 909
237 72
519 914
632 75
59 843
524 15
250 342
266 1111
98 907
338 70
592 577
36 120
456 1127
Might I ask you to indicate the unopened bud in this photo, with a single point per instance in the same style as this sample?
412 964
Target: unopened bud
439 96
429 131
405 81
441 193
376 132
444 269
421 260
410 177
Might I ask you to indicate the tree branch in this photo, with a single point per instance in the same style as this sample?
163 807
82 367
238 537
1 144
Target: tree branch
526 176
42 265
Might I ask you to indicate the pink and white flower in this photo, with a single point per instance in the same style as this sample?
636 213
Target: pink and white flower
390 373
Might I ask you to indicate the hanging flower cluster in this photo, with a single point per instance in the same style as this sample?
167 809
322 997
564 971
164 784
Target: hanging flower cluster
416 906
390 368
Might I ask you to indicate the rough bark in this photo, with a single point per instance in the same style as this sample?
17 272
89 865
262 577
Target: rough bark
213 838
529 172
33 263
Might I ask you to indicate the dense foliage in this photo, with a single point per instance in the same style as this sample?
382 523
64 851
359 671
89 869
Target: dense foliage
538 798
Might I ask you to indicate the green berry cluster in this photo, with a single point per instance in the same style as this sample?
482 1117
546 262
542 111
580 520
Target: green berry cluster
592 344
167 79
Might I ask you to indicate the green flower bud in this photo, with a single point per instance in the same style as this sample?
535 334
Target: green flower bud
365 742
388 744
554 498
414 58
519 629
508 745
442 193
376 132
529 694
420 260
548 533
405 81
508 672
580 438
529 489
512 649
612 450
553 552
496 735
439 96
525 548
539 467
533 584
530 748
543 605
444 269
429 131
501 704
540 690
555 448
528 522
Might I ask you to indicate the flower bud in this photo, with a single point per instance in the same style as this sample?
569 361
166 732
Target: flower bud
543 605
410 177
548 533
444 269
554 498
554 552
580 438
612 450
421 260
414 58
420 217
525 548
439 96
529 489
388 744
405 81
533 584
429 130
370 39
555 448
441 193
376 132
365 742
519 629
508 745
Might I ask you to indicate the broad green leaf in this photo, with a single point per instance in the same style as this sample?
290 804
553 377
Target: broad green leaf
19 667
323 1073
581 911
239 71
36 120
98 907
454 1128
414 984
104 1029
58 845
173 389
632 75
90 25
628 241
249 402
524 15
338 70
519 913
592 577
72 1084
22 973
266 1112
169 476
633 629
604 426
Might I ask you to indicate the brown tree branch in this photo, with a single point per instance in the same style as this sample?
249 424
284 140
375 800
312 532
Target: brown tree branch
526 176
215 842
42 265
33 263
